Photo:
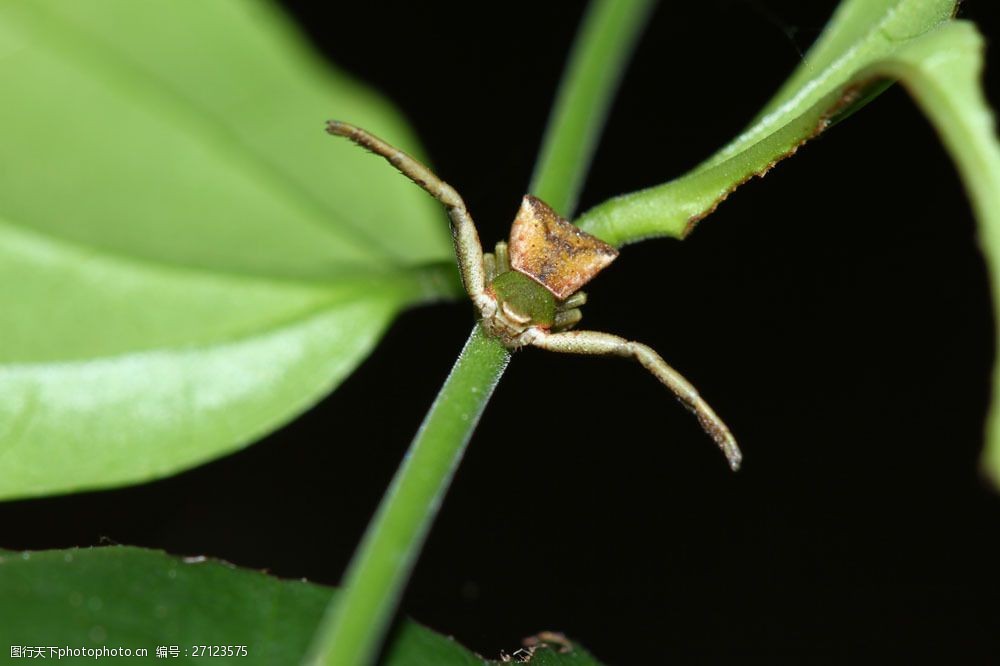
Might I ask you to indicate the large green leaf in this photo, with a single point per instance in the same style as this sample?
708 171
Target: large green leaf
942 72
829 80
186 260
140 599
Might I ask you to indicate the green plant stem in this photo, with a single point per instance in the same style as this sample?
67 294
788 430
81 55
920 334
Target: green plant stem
386 556
597 60
353 627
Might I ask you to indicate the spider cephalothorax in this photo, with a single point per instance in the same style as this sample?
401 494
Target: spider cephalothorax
527 292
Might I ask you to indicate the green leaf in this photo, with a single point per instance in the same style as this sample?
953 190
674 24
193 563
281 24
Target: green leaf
831 79
187 260
942 71
135 598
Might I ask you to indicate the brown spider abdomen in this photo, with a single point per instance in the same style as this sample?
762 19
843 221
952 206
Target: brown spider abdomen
553 252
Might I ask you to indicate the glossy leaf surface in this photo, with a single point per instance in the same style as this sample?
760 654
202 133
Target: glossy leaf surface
135 598
187 260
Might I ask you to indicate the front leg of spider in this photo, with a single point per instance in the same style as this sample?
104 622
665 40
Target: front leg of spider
528 294
468 249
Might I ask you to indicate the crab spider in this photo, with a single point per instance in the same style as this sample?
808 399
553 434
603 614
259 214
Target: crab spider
527 291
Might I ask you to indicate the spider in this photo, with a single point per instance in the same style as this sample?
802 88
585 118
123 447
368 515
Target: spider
527 290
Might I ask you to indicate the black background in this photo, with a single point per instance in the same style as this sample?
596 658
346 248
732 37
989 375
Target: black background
835 313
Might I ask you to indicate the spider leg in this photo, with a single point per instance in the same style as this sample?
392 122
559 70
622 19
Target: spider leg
593 342
502 256
489 266
576 300
566 319
468 249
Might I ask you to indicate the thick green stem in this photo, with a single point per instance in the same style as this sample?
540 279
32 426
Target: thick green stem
602 47
386 556
353 627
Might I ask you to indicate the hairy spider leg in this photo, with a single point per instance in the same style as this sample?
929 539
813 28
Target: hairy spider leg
489 266
468 249
595 343
496 262
566 319
568 312
502 257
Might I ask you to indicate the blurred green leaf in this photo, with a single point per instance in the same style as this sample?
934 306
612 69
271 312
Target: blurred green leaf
942 71
187 260
135 598
830 79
